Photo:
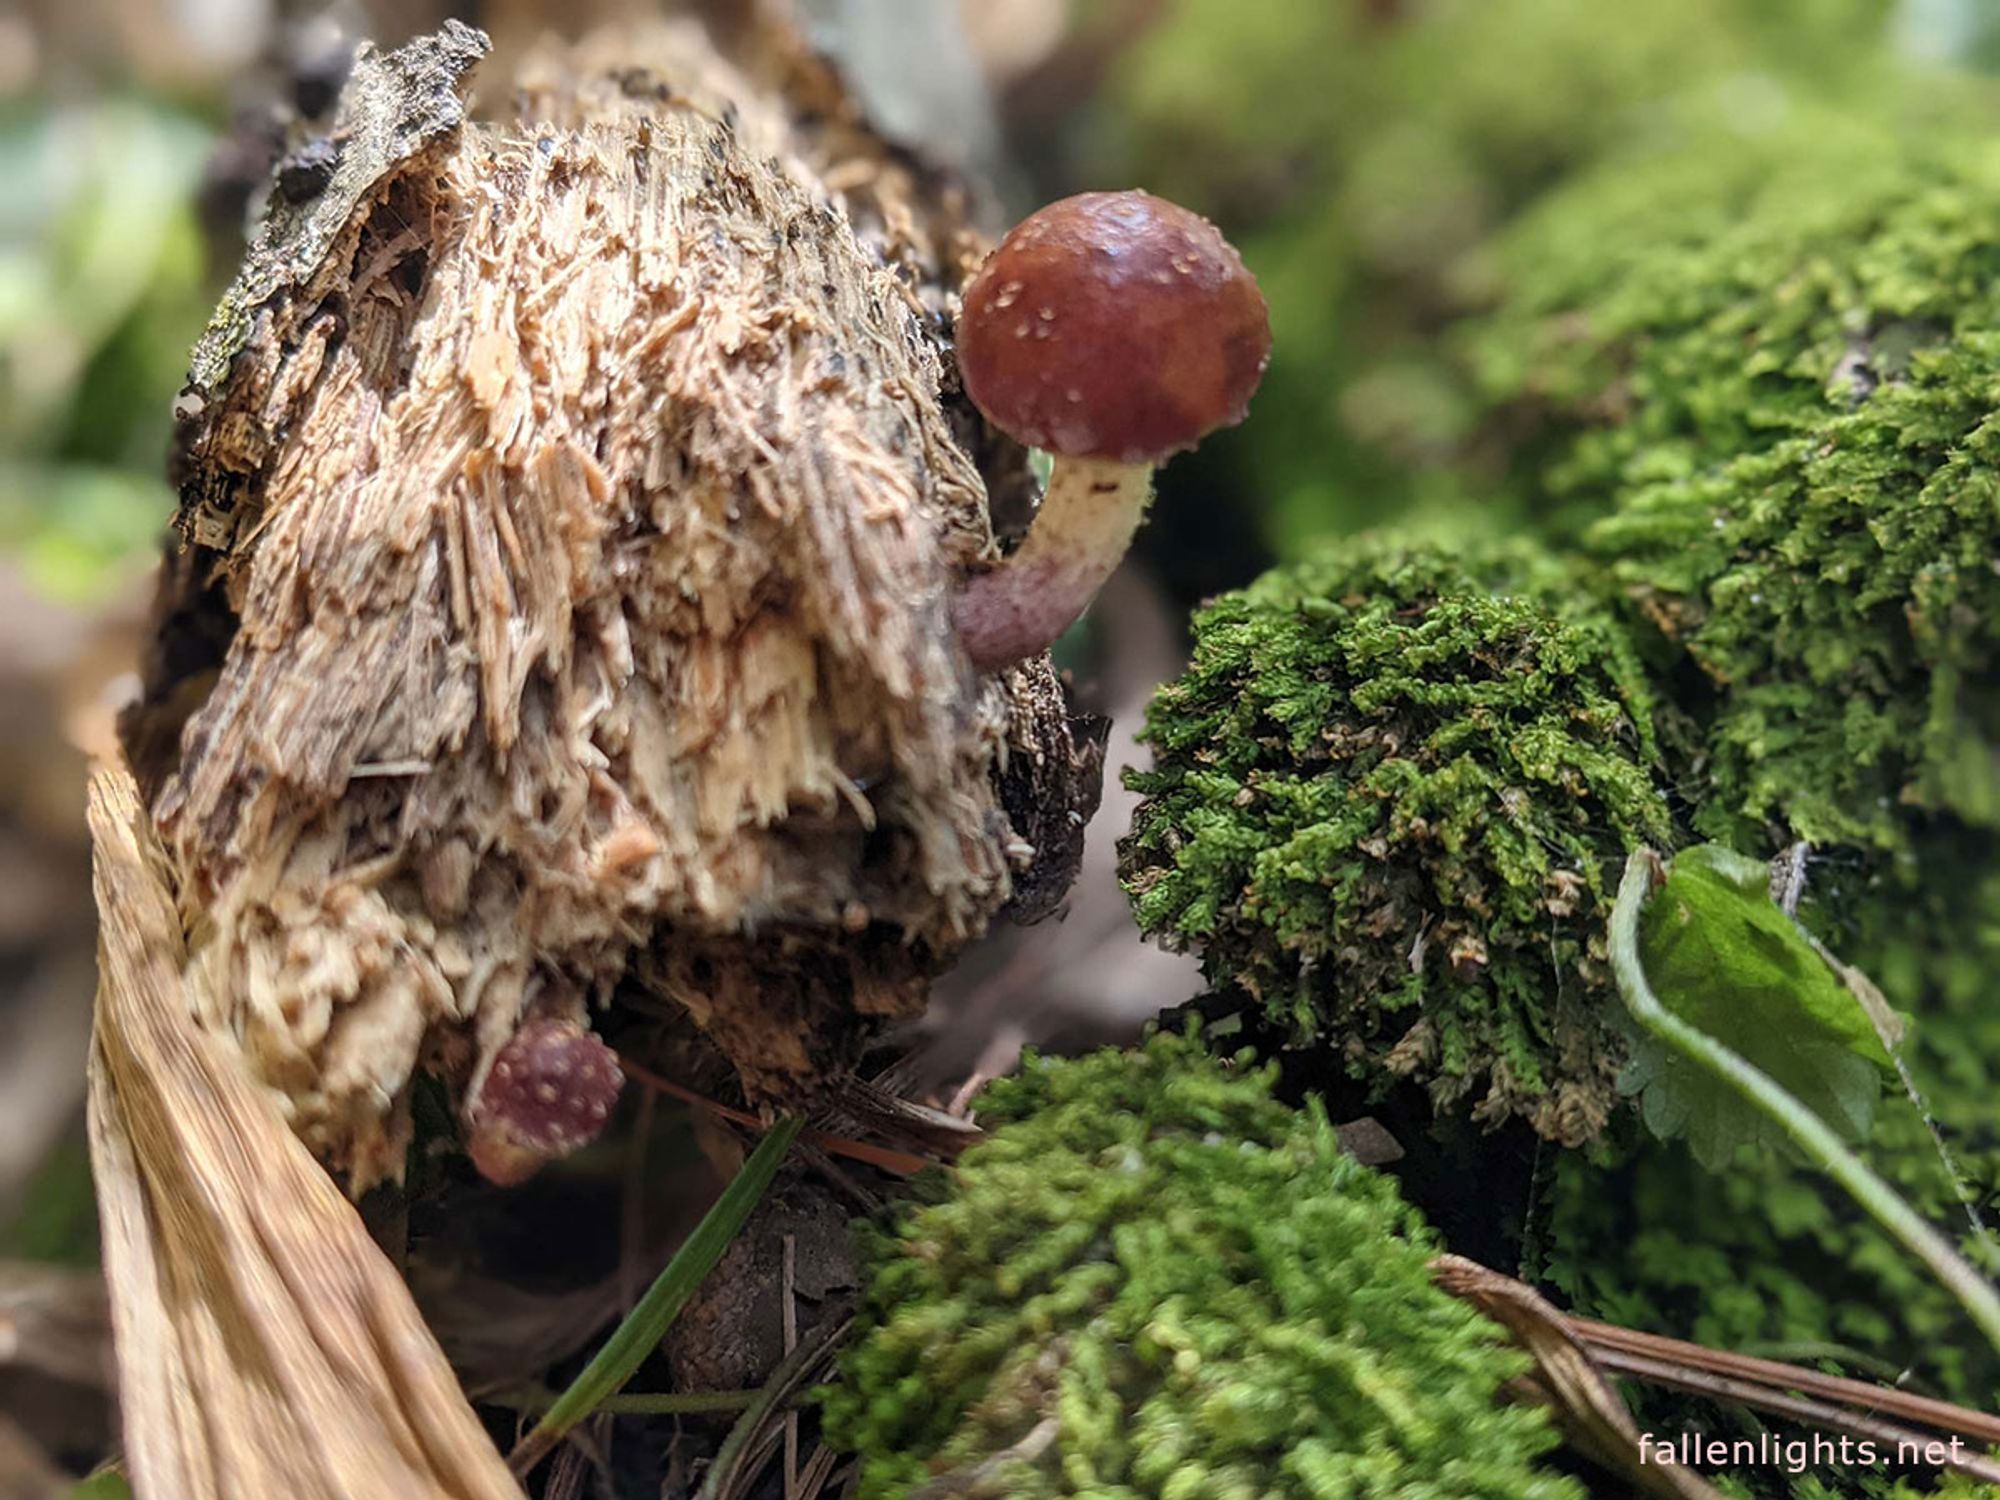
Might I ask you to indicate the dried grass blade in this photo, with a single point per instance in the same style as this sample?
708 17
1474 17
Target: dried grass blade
265 1345
1976 1427
1586 1407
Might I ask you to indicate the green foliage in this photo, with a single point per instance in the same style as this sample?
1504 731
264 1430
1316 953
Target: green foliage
639 1332
100 295
1719 954
1199 1291
54 1217
1384 800
1755 377
1775 383
1952 1487
1741 359
1409 132
1935 942
1764 1257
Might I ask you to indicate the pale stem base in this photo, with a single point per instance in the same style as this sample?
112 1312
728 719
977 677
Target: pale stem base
1089 513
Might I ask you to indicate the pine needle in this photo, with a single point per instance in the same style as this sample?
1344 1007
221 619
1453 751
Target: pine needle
647 1323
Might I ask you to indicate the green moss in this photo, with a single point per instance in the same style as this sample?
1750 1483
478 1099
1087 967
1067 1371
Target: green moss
1410 131
1756 380
1931 940
1744 368
1781 407
1153 1279
1385 800
1761 1257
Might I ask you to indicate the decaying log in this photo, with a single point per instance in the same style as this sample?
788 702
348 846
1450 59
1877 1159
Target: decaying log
571 502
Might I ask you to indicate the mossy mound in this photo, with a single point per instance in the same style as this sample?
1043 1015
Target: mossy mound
1411 131
1155 1279
1776 387
1756 380
1386 800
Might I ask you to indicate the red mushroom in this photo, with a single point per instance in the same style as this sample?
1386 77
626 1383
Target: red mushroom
548 1093
1112 330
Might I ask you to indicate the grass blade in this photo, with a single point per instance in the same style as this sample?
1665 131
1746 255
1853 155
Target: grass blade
650 1318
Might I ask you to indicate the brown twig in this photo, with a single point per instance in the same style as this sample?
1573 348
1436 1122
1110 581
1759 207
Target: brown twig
1974 1426
1826 1401
1833 1418
817 1470
901 1163
1593 1419
865 1199
750 1441
788 1302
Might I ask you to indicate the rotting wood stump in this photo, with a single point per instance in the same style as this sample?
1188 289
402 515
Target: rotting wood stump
559 621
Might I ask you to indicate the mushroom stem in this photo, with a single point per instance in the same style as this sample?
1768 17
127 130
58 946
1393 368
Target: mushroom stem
1089 512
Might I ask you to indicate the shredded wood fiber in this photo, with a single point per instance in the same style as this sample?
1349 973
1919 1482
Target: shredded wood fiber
572 506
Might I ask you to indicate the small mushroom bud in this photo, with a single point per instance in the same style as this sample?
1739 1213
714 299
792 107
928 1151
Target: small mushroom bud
547 1094
1112 330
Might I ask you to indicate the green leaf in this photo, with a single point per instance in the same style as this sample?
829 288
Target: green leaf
1723 957
1810 1136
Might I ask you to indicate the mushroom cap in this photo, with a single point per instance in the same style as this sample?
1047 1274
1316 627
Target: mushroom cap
549 1092
1113 325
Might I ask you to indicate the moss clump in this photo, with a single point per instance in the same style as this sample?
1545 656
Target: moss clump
1411 131
1782 406
1154 1279
1386 799
1757 380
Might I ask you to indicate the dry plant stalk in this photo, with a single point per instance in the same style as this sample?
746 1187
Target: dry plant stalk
571 506
1575 1358
1565 1379
266 1346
